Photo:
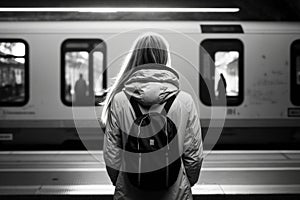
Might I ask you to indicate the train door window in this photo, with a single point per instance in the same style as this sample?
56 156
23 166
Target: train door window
221 69
14 72
83 71
295 73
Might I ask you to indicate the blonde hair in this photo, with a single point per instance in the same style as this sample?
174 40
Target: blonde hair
147 48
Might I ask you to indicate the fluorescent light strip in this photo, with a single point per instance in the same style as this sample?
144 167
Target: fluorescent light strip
115 10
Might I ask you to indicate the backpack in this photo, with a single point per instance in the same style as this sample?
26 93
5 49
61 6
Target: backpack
152 158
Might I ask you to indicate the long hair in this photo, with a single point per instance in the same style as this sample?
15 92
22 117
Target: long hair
148 48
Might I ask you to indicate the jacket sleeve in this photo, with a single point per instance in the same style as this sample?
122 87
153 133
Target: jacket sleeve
112 144
193 148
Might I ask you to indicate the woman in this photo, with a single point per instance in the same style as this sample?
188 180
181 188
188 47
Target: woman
147 77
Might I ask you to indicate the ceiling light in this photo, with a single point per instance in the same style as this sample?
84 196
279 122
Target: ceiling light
115 10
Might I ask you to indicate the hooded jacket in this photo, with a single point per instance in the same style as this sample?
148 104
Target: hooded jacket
153 84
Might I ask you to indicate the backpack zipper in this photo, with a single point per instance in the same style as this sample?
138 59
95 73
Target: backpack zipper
140 169
167 155
140 154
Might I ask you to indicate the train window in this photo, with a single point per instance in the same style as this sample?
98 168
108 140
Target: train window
14 72
295 73
221 69
83 71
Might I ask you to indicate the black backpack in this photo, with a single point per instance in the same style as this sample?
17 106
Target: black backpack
152 158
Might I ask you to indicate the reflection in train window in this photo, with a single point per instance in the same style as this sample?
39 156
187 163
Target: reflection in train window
295 72
226 63
98 70
83 71
221 69
14 87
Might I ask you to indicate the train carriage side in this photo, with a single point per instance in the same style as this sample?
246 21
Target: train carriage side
261 65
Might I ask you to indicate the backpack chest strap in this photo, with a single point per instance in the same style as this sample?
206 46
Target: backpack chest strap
168 104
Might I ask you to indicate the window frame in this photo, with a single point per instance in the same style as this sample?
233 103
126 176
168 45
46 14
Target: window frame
294 87
211 46
26 74
64 50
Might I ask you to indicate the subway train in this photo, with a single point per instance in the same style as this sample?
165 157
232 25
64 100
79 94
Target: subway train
54 77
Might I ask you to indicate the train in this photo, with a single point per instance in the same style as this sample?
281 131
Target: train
42 62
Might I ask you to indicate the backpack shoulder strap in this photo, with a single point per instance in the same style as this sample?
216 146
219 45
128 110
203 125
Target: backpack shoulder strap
169 103
134 105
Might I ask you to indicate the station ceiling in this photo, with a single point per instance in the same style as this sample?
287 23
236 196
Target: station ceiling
250 10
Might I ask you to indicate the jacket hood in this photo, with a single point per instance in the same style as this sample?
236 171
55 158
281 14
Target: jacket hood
152 84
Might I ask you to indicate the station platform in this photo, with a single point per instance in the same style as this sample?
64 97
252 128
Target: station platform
80 175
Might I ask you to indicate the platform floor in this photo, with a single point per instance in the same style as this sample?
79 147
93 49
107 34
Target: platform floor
79 172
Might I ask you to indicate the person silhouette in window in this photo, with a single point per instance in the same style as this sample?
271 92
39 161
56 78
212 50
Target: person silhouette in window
222 85
80 91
